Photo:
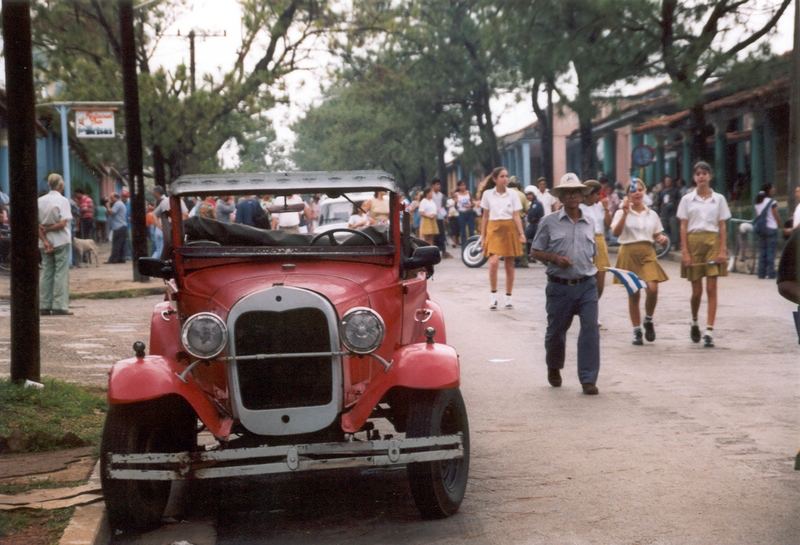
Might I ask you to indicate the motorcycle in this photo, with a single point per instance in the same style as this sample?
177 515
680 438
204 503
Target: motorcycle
472 253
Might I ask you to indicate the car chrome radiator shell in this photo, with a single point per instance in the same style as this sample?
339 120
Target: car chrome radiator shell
269 395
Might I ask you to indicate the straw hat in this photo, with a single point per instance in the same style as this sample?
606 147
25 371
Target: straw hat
570 181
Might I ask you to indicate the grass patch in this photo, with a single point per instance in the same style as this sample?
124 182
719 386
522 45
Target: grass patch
60 415
37 527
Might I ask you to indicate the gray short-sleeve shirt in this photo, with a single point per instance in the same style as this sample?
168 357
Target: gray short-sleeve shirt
559 235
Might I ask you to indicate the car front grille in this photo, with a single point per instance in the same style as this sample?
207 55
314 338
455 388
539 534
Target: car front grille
283 382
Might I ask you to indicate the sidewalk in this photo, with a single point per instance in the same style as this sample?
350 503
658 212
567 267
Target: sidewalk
95 280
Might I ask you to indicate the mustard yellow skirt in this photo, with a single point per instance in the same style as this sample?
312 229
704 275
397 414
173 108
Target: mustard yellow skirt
703 247
640 257
502 239
428 226
601 260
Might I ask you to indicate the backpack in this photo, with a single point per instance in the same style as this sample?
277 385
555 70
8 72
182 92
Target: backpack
760 223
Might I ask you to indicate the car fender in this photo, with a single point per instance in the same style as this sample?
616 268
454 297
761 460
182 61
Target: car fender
436 321
419 366
135 380
165 329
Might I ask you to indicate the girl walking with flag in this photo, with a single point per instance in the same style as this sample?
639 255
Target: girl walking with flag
636 226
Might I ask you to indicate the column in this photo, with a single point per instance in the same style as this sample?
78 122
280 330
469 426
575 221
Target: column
526 163
660 169
686 157
757 154
720 160
608 155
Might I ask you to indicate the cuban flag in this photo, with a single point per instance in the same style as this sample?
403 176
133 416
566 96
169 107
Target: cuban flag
629 279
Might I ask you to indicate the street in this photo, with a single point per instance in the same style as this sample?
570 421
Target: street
683 445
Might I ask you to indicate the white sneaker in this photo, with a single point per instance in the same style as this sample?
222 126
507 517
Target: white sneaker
493 302
507 302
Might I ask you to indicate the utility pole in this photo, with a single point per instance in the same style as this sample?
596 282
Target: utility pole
192 65
793 171
25 336
133 134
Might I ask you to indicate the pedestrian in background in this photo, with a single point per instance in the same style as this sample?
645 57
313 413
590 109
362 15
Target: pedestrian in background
86 213
100 226
428 226
532 217
768 239
703 214
549 201
55 219
596 208
466 212
636 227
501 232
118 223
565 243
667 207
224 207
439 199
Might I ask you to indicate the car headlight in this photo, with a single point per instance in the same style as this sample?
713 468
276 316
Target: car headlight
204 335
362 330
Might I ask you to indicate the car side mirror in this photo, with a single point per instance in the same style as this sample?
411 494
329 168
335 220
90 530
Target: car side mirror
424 256
151 266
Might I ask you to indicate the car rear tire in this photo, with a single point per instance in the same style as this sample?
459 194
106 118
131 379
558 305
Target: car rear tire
438 487
163 425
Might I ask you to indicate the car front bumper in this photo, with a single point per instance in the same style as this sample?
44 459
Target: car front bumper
239 462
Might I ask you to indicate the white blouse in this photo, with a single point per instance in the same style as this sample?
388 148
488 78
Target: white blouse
427 208
501 206
639 226
597 215
703 214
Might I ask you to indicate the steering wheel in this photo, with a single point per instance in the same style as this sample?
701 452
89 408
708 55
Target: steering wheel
333 240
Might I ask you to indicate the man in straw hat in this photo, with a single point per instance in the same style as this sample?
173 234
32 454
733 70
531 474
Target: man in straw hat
565 242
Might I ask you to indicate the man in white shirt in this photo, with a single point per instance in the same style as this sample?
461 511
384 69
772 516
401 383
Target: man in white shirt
55 218
549 202
288 221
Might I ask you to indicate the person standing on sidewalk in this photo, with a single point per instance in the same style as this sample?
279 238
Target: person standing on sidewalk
703 214
565 242
441 213
466 213
767 241
636 226
501 231
55 217
118 223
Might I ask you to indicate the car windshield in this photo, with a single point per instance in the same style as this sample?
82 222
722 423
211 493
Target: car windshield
273 223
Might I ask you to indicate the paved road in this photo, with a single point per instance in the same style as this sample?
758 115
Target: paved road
683 445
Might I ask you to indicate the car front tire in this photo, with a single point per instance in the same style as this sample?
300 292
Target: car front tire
163 425
438 487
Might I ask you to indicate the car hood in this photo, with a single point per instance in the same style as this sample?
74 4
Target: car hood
210 289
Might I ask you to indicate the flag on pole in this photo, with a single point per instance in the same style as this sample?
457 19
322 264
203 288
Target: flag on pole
629 279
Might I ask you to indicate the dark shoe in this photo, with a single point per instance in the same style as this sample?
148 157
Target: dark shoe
649 332
554 377
590 389
708 341
60 312
45 312
637 338
695 333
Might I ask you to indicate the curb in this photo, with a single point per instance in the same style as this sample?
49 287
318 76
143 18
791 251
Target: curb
89 524
118 294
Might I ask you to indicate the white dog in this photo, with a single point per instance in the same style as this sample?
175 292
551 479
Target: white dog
87 250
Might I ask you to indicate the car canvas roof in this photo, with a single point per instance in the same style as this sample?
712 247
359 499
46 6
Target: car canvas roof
283 183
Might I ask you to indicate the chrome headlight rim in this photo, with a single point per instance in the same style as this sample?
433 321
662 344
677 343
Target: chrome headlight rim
347 317
185 335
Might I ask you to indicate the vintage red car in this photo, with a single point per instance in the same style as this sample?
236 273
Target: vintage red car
296 352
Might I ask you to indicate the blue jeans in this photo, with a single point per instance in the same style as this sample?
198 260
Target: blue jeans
158 242
466 224
767 246
563 303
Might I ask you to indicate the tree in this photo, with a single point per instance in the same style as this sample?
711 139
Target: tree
697 43
580 44
183 130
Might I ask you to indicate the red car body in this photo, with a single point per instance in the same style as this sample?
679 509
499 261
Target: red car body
271 293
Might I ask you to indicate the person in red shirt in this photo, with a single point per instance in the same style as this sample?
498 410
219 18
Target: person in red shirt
86 208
